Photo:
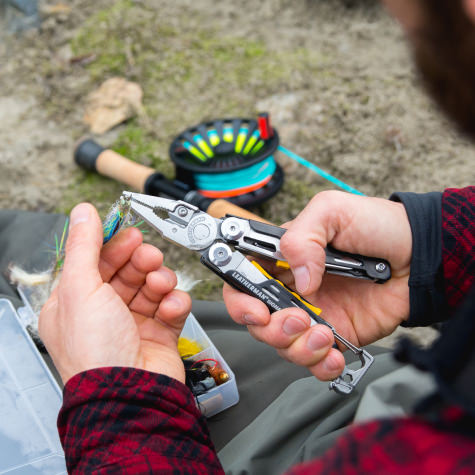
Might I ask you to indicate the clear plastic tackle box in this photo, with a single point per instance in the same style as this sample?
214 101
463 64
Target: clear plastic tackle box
30 400
220 397
213 401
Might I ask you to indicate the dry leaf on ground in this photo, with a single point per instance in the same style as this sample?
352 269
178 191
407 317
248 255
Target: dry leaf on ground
115 101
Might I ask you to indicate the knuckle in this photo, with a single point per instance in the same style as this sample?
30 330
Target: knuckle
326 196
298 356
290 242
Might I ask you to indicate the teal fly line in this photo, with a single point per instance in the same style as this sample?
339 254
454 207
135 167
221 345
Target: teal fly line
319 171
226 158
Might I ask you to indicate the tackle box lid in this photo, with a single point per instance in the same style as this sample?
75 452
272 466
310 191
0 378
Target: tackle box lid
30 400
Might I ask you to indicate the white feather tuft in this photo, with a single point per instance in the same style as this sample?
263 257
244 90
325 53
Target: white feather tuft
185 281
18 276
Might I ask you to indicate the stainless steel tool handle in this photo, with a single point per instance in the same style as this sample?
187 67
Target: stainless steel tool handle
336 262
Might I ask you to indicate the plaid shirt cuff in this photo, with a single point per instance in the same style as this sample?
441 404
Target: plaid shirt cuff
125 420
458 234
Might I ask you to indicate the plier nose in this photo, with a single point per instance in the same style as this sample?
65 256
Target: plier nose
177 221
140 202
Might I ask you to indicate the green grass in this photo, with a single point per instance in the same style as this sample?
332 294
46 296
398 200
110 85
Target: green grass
88 186
188 75
140 145
189 72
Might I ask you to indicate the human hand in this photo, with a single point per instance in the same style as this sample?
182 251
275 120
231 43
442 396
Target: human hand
361 311
114 306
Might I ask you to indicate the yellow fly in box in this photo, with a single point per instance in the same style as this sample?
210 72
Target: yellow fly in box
208 375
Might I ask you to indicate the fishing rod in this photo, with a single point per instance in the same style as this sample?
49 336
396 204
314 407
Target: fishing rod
222 166
91 156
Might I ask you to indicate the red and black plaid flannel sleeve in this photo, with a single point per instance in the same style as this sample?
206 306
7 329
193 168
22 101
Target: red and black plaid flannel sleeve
124 420
398 446
458 242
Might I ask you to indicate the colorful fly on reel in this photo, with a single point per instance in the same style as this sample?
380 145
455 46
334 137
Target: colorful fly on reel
229 158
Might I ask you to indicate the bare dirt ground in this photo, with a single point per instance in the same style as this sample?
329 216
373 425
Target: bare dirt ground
335 75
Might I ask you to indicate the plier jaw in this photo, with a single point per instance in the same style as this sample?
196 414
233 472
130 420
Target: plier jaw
177 221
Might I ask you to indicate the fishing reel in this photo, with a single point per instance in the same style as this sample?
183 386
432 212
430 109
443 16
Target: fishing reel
230 158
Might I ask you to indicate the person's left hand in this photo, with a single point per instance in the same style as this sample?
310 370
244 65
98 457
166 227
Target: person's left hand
113 307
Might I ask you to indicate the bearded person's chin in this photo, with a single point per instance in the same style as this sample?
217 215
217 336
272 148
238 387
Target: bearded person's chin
446 61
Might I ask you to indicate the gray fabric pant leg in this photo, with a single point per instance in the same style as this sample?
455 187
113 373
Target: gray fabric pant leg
27 240
286 417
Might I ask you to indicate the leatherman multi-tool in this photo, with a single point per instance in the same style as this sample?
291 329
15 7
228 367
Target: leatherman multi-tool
223 243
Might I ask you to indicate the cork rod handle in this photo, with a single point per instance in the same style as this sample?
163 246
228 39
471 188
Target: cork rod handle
92 156
219 208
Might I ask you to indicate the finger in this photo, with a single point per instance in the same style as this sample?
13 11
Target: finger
157 284
173 310
80 274
306 257
244 309
117 252
168 322
303 245
284 274
331 366
52 300
128 280
283 328
310 347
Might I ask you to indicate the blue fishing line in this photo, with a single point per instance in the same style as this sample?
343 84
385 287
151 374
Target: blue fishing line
236 179
319 171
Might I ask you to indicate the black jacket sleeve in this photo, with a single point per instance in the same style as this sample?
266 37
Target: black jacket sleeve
428 304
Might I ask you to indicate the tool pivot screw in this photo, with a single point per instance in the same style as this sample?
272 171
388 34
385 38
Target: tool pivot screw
220 254
380 267
231 229
182 211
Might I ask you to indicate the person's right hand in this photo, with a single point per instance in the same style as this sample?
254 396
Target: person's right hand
361 311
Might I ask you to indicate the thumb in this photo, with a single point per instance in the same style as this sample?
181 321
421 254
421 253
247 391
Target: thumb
306 258
304 243
81 265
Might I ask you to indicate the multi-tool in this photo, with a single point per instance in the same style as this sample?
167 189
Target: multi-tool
223 245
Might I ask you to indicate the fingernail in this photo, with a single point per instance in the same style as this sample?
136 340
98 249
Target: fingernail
293 326
302 278
250 319
317 341
80 214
